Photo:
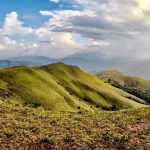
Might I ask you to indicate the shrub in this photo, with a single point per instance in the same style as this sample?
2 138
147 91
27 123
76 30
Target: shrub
47 140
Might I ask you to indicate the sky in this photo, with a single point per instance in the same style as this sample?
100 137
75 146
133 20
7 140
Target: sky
60 28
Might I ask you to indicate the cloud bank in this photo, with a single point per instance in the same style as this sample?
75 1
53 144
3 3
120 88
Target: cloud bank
117 29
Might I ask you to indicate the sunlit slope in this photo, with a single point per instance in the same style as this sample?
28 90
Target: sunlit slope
87 87
60 87
34 86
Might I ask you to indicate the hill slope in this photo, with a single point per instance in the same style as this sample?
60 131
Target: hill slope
60 87
134 85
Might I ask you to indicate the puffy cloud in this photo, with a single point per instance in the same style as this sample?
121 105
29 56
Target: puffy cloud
21 40
14 26
62 18
55 1
2 47
7 43
114 18
99 43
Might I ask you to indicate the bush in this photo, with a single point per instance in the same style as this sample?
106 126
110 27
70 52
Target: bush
47 140
111 108
117 140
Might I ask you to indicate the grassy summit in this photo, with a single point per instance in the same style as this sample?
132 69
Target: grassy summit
61 87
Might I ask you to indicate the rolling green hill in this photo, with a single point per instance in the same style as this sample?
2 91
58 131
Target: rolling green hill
60 87
133 85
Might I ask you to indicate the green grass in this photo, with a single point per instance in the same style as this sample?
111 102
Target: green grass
36 128
60 87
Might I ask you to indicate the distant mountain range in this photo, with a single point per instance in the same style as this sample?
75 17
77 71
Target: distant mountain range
26 61
11 63
40 60
88 62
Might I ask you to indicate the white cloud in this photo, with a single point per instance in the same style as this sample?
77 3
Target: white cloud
35 45
66 38
2 47
8 42
40 41
55 1
63 18
99 43
43 33
13 26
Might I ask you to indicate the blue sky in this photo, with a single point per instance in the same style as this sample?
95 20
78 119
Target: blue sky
28 10
59 28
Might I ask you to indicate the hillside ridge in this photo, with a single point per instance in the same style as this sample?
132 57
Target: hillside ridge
61 87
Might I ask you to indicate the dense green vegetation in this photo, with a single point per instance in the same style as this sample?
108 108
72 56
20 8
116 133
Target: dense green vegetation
133 85
143 94
36 128
60 87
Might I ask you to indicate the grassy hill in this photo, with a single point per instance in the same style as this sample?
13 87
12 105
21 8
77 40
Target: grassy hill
60 87
134 85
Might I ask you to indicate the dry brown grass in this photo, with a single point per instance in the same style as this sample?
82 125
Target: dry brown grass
38 129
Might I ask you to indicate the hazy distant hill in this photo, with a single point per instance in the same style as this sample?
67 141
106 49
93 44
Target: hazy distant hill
134 85
26 61
95 60
61 87
10 63
89 61
42 60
